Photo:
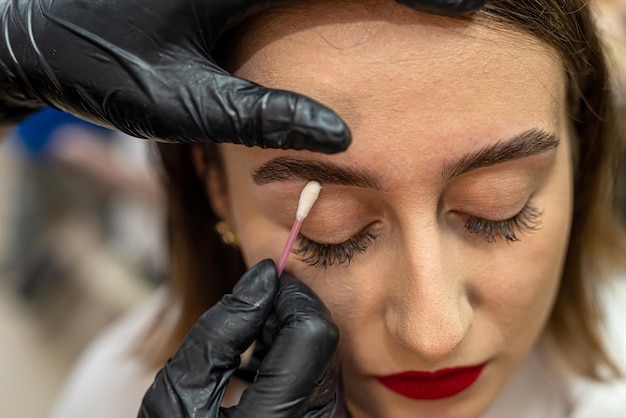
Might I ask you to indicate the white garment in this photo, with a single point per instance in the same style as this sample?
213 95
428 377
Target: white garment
596 400
108 383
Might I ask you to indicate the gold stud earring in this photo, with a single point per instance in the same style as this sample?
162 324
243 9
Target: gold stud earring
226 234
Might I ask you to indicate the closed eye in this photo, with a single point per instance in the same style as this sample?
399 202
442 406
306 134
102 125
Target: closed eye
320 255
526 220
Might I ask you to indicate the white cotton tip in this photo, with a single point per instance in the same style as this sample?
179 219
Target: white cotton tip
308 196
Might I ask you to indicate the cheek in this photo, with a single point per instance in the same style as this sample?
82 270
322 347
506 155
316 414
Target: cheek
516 295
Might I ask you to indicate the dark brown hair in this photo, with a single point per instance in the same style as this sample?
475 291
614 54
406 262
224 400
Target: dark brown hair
203 268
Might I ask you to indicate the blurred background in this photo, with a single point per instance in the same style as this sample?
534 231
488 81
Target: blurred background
82 240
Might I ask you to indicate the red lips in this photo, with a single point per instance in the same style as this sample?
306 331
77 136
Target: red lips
432 385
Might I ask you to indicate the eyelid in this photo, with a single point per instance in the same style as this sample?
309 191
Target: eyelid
333 225
494 212
503 186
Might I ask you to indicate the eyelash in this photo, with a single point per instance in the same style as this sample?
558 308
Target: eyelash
526 220
320 255
325 255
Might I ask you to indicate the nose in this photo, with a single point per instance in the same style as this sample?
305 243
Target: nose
429 311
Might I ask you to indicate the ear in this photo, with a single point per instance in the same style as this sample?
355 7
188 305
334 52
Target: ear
214 181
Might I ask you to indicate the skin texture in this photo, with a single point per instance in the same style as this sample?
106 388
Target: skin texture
418 92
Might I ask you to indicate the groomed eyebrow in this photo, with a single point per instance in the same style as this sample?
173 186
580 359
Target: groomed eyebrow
290 168
525 144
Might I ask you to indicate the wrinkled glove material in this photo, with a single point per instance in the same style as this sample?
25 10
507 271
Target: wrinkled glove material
299 376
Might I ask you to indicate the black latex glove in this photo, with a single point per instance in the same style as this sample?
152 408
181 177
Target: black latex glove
299 376
145 68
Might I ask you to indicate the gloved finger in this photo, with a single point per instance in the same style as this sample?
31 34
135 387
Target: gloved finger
268 118
194 379
295 373
444 7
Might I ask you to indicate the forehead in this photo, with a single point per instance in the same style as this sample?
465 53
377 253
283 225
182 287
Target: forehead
395 75
343 43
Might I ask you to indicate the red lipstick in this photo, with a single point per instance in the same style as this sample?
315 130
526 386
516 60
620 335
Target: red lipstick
432 385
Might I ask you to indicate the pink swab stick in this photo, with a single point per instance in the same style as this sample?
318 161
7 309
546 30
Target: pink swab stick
308 196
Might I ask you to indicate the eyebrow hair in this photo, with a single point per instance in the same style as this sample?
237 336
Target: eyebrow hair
527 143
290 168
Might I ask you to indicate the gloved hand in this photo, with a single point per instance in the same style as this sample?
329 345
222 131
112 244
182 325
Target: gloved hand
299 376
145 67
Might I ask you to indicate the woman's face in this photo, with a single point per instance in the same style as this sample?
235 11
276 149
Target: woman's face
439 236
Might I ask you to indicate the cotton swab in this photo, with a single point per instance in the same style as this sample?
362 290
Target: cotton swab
308 196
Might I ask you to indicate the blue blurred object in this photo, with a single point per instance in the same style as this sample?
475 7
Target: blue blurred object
36 133
48 193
